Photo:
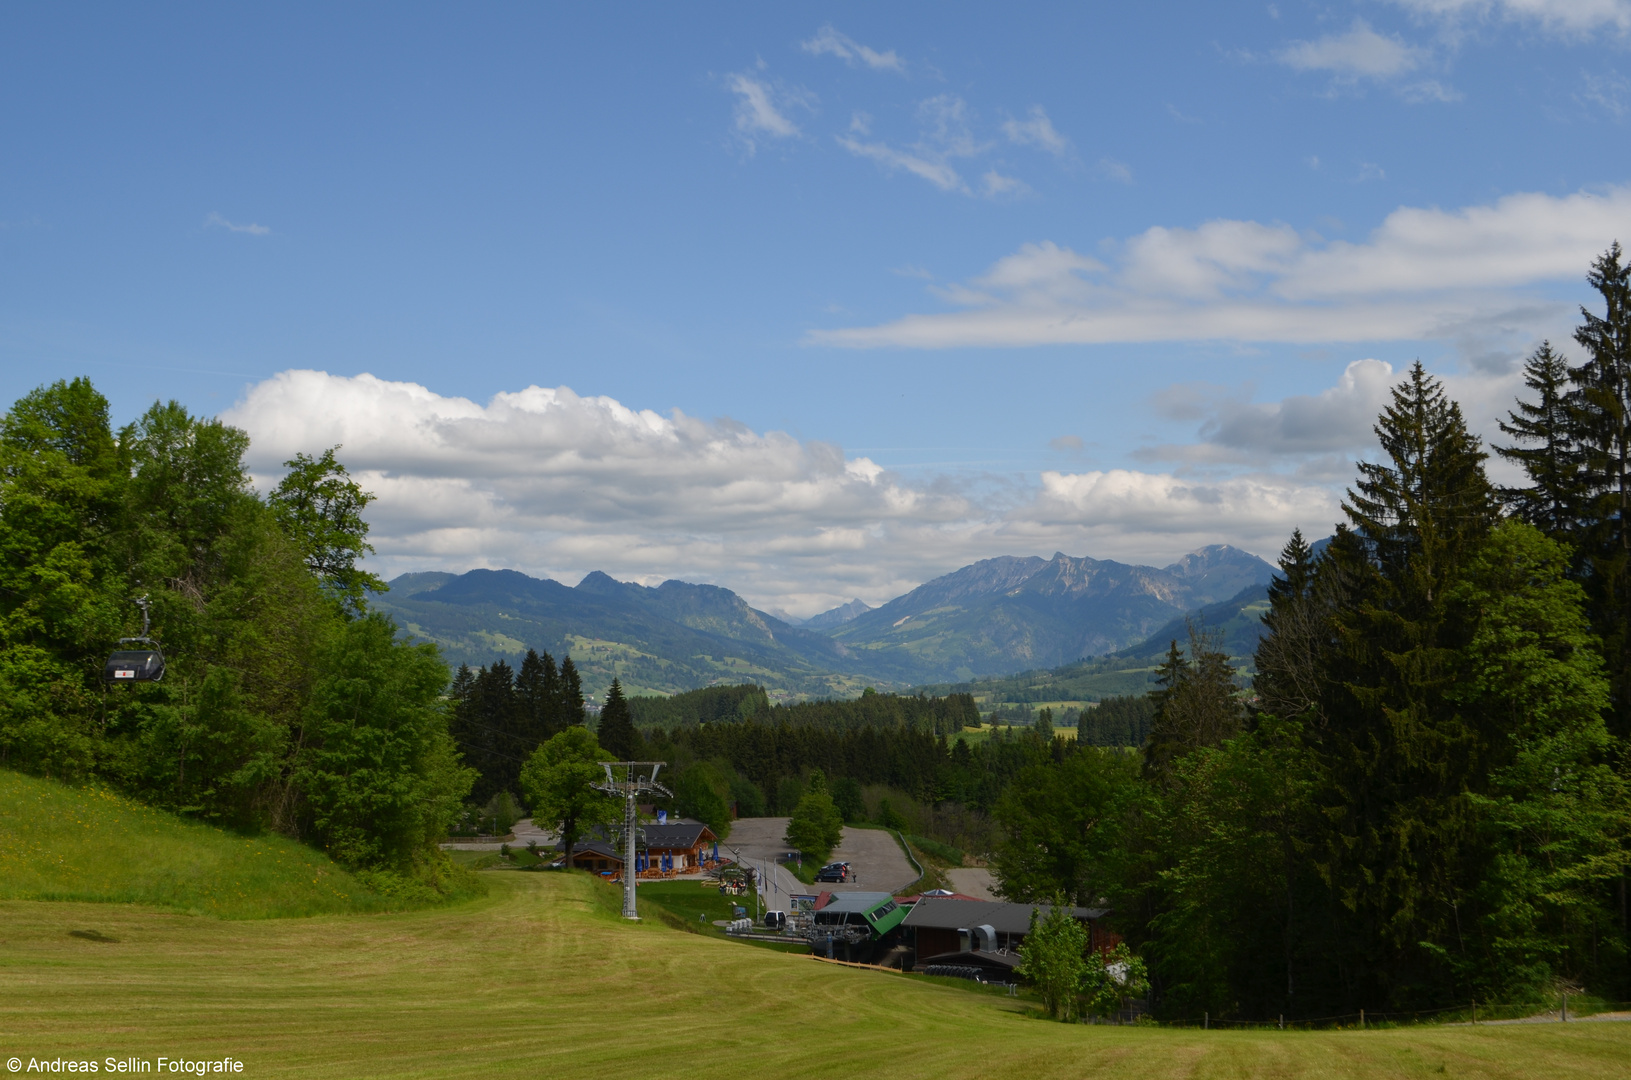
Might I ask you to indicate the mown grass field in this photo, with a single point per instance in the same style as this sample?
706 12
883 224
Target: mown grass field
64 843
542 979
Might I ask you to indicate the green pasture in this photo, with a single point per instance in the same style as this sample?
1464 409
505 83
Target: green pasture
543 979
64 843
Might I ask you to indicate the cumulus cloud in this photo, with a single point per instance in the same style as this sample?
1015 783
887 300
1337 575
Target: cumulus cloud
1424 273
829 42
553 483
1037 130
1336 421
216 221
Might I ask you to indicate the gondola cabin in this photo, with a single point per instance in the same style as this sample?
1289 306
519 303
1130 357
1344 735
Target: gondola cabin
134 665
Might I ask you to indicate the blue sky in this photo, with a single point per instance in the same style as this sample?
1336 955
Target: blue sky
924 283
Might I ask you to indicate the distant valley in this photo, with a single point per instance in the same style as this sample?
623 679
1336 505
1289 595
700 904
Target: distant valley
994 617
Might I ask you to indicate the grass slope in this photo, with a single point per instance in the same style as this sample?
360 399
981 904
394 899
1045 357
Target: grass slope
65 843
542 979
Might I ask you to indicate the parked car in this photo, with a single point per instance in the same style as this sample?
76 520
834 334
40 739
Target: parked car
833 872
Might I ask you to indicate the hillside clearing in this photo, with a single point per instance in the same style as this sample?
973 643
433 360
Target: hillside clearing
543 979
92 844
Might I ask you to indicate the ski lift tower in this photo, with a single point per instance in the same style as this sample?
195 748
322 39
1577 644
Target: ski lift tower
638 778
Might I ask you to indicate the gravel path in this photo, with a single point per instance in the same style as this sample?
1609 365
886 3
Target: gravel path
973 881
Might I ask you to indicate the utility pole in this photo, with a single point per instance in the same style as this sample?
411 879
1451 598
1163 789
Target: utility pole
639 778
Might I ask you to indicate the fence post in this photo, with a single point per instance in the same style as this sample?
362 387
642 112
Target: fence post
1475 1012
1206 1021
1282 1021
1361 1019
1565 1008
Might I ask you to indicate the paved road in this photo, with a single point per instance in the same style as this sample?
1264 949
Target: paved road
872 853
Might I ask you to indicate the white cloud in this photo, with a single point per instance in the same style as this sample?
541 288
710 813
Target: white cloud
1608 92
1336 420
944 136
216 221
1037 131
1359 53
761 108
938 173
1111 169
1424 273
829 42
1563 17
994 184
552 483
1430 90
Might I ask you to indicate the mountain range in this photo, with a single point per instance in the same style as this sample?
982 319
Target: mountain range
993 617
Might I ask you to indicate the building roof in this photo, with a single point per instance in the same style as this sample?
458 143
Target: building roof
947 914
861 902
593 847
684 834
1004 960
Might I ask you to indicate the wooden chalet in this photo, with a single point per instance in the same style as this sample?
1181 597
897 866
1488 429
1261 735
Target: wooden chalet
683 845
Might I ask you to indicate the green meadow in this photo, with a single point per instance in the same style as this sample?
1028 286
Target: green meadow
91 844
542 978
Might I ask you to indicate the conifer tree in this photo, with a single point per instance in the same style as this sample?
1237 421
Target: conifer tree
1603 425
617 734
535 691
1197 705
569 696
1395 755
1288 654
1551 502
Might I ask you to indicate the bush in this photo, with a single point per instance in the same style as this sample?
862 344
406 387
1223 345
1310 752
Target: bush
944 852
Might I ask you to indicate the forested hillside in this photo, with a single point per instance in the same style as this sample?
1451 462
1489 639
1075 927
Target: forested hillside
285 705
671 638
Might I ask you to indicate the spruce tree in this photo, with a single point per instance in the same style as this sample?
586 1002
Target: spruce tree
1552 500
568 708
617 734
1603 423
1395 755
1197 706
535 692
1287 682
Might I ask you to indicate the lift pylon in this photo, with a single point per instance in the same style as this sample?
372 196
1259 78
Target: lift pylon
637 778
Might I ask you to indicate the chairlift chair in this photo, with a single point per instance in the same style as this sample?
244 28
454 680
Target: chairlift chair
136 665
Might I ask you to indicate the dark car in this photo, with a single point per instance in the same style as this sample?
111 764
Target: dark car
833 872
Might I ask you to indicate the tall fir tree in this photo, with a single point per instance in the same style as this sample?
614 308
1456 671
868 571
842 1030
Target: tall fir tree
1395 755
1603 426
617 734
1552 500
568 710
1197 706
1287 682
535 691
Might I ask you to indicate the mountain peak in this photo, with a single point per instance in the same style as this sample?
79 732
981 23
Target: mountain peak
839 615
